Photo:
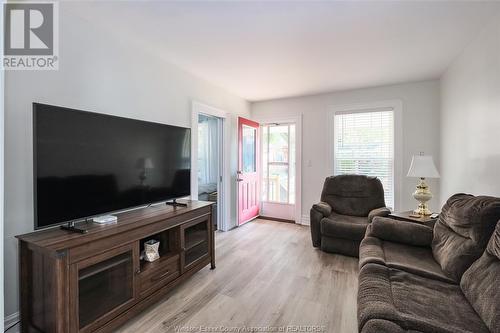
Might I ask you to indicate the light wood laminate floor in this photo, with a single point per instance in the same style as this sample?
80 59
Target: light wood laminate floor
268 276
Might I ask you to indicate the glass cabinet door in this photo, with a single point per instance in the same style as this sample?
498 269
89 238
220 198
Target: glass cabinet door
106 284
195 241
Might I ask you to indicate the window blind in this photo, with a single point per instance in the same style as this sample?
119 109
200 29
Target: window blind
364 144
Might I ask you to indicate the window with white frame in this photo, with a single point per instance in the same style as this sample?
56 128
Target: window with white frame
364 144
278 163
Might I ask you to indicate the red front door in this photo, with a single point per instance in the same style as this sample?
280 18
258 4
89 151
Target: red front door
248 170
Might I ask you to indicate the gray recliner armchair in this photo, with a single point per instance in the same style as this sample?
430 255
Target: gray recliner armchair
348 204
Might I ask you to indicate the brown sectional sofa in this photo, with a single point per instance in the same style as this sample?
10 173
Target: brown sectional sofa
415 279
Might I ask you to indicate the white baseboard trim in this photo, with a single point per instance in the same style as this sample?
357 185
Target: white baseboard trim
305 220
12 320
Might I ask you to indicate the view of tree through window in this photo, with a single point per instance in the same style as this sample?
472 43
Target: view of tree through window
364 144
278 163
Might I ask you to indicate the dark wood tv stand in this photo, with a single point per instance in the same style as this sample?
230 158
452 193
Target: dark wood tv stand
94 282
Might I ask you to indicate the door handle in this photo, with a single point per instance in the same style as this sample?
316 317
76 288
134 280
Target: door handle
239 172
239 180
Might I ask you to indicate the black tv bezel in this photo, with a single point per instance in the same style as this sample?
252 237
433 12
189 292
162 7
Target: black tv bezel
85 218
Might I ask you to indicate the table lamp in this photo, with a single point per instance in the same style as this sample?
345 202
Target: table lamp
422 166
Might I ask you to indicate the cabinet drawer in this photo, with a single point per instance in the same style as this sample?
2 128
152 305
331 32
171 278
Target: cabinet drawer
159 273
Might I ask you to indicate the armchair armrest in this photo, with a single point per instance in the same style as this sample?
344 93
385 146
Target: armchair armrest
318 211
400 231
383 212
324 208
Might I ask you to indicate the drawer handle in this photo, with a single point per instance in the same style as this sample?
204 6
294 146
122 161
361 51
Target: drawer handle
156 278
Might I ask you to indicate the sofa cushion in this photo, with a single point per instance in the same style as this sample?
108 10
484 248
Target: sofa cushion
481 283
413 302
354 195
413 259
344 226
462 231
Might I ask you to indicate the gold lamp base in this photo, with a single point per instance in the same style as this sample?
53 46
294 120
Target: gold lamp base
422 194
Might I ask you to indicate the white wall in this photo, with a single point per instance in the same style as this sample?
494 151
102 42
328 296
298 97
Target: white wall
420 131
96 73
2 135
470 118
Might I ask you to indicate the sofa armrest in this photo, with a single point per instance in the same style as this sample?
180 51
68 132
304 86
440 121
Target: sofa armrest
324 208
400 231
382 212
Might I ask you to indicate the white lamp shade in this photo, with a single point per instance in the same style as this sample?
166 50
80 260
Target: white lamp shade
148 163
422 166
145 163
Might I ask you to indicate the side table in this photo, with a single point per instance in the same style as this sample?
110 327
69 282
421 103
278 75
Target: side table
406 216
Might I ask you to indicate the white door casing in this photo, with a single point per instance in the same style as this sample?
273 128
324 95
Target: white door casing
224 202
297 120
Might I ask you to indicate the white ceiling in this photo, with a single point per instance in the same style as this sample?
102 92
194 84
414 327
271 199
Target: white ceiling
266 50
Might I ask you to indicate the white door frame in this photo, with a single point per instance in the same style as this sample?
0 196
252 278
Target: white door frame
297 120
2 130
397 107
224 202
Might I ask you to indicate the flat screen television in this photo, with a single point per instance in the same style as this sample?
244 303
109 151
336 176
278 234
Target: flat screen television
88 164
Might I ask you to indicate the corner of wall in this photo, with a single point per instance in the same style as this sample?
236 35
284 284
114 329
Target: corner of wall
469 102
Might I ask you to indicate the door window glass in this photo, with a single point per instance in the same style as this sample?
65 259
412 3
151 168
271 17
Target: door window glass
249 140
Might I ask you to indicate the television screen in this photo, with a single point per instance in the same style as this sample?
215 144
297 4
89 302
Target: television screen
88 164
